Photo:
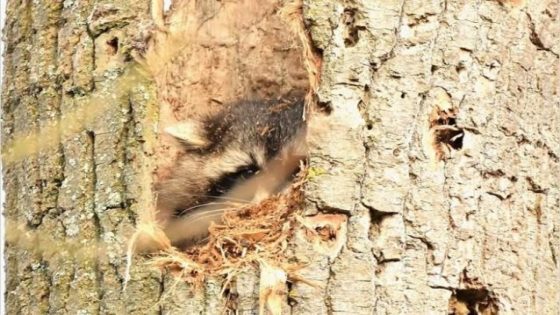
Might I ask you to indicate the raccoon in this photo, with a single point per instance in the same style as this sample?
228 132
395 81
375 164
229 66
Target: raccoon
244 153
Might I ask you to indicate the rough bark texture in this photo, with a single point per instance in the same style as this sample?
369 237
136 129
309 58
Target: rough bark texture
478 231
62 58
420 224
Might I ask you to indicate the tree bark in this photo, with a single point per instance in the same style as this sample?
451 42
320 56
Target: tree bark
75 186
437 180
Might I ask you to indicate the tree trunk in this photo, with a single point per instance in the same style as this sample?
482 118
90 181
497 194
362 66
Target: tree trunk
73 189
434 190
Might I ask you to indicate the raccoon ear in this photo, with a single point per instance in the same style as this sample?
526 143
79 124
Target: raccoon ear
190 133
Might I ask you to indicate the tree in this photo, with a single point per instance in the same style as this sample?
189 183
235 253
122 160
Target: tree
434 189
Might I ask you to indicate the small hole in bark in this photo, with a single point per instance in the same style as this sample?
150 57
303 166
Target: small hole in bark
447 136
460 67
231 298
369 126
434 68
291 296
457 142
326 233
325 107
477 301
36 90
352 31
403 95
113 46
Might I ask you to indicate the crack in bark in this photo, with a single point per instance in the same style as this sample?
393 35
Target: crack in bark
535 38
128 127
553 253
96 219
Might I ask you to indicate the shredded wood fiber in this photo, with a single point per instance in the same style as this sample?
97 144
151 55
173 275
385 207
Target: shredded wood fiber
247 236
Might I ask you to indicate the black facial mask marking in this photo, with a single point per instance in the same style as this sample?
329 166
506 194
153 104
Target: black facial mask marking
228 181
223 185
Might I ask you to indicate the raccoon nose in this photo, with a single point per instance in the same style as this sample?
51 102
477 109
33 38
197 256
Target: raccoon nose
261 193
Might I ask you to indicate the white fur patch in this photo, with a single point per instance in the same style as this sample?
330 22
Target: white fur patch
231 160
226 162
190 132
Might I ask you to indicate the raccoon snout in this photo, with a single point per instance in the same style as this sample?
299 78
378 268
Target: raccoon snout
261 194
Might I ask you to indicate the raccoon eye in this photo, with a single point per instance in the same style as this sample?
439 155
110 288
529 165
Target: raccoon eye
229 180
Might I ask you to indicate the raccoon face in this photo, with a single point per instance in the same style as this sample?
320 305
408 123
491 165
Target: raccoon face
254 142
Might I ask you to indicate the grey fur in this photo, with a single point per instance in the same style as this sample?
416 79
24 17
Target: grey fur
245 138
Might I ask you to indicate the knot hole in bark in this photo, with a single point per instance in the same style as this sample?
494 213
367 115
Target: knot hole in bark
475 301
113 46
446 135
